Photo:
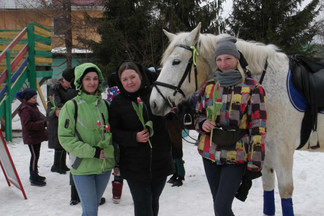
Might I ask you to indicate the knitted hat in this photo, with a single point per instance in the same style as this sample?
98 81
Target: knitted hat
88 70
68 74
26 94
227 46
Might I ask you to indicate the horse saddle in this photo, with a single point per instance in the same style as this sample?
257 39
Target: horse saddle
308 78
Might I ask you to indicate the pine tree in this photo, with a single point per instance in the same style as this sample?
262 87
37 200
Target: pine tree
133 29
126 33
280 22
184 15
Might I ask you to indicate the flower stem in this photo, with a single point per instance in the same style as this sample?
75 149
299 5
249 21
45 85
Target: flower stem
149 141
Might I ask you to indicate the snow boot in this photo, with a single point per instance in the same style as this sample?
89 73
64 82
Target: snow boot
102 201
74 193
173 179
35 180
117 187
63 161
41 178
57 162
178 182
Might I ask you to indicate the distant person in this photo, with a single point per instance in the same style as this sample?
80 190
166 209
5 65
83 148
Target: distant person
60 92
117 183
33 130
84 132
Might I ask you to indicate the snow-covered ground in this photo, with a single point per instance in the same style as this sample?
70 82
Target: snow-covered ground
191 199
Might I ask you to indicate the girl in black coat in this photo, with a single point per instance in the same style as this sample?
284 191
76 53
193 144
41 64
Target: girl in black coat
144 166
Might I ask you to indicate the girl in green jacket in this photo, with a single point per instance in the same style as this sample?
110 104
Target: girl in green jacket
84 132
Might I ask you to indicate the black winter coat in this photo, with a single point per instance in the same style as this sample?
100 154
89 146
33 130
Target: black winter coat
61 96
137 160
33 124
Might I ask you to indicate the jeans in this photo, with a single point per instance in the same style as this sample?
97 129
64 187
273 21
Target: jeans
224 181
90 189
146 196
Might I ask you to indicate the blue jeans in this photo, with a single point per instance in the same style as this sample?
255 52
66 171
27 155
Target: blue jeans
224 181
90 189
146 196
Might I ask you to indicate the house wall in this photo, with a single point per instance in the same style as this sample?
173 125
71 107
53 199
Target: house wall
19 18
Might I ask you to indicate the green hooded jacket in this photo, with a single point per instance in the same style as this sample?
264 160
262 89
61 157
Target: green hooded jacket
91 110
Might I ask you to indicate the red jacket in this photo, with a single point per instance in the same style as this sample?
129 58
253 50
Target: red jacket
33 124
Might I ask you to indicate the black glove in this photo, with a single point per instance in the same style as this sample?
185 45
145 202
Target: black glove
244 188
252 174
97 154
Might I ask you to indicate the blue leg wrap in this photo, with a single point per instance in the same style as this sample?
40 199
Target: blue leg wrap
268 203
287 207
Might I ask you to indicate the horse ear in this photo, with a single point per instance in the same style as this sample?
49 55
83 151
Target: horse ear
169 35
194 34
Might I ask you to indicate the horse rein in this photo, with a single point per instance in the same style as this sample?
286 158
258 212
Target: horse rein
192 62
264 71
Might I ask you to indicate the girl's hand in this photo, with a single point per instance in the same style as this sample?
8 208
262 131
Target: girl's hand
102 154
143 136
57 112
208 125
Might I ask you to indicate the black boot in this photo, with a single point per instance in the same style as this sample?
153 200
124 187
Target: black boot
41 178
74 193
35 180
173 179
178 182
102 201
63 161
57 160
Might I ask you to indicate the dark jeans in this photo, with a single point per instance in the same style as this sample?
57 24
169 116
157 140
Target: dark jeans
146 196
34 151
224 181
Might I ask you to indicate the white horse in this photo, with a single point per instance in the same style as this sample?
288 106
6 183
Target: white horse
283 123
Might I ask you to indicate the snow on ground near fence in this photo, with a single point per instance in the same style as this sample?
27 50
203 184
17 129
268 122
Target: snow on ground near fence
192 199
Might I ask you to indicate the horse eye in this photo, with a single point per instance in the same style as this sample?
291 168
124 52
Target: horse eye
176 62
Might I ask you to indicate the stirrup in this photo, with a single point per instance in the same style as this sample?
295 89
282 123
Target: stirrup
187 119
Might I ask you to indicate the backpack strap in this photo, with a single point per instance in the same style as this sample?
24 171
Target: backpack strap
78 160
76 119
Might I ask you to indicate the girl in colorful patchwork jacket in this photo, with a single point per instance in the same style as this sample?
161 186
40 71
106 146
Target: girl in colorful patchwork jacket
241 114
84 132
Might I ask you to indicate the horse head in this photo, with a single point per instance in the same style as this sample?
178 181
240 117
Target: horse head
179 77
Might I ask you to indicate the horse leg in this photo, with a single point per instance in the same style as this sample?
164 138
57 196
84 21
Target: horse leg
284 167
268 181
175 131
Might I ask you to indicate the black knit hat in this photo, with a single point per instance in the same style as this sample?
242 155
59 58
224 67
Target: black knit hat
68 74
88 70
26 94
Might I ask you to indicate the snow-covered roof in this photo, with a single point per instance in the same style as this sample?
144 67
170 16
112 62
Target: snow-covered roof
74 50
23 4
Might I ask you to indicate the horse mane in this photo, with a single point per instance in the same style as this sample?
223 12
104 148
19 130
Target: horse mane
256 53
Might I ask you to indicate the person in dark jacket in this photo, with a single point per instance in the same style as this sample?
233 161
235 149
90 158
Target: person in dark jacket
33 130
145 160
59 93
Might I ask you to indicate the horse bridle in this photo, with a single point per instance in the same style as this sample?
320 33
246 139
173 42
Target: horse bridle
192 62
